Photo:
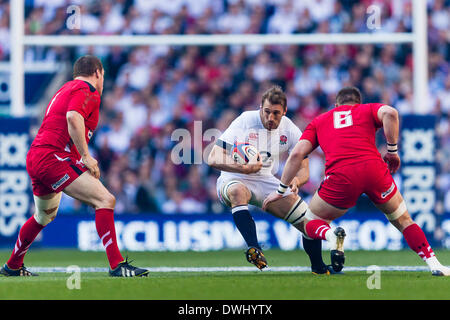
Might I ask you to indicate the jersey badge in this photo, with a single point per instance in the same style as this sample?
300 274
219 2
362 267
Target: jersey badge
283 139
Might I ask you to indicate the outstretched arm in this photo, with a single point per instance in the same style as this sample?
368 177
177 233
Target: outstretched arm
295 161
292 167
302 176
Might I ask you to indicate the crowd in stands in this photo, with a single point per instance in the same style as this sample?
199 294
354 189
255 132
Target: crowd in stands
152 91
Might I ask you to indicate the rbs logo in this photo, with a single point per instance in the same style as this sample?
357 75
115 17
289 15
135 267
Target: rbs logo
342 119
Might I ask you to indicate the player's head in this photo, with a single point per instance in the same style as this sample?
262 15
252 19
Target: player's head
273 107
348 96
91 69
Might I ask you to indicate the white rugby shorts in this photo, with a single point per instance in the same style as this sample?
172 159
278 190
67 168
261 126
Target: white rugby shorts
259 186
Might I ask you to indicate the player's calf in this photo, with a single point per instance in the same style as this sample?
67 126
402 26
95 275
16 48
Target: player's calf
397 214
319 229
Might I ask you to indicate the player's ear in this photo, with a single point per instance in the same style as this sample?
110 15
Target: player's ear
98 73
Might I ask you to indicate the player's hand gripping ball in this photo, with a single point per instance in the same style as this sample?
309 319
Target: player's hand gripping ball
244 153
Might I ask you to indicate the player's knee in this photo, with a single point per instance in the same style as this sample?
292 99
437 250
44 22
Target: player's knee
104 200
238 193
109 201
46 210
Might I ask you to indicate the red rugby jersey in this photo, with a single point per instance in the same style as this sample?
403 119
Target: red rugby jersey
346 134
76 95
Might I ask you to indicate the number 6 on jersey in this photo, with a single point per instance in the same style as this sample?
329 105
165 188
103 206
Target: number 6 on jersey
342 119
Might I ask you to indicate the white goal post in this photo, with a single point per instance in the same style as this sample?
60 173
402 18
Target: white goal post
418 39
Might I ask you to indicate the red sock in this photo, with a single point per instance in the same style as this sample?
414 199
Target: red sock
316 229
27 234
417 241
104 222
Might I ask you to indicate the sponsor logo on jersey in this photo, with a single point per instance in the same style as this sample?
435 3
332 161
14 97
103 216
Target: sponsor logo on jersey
283 139
388 192
58 183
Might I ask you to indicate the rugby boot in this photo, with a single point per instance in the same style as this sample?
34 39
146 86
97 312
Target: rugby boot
337 255
442 271
255 256
325 269
21 272
125 269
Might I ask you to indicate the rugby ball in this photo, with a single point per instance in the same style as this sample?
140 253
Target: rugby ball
244 153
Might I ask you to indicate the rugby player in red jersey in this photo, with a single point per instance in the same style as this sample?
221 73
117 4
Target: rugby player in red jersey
59 161
354 166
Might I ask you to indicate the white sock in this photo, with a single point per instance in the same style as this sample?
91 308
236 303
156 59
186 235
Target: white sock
433 263
331 238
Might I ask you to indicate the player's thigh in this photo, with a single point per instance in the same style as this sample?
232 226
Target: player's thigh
320 209
281 207
396 212
87 189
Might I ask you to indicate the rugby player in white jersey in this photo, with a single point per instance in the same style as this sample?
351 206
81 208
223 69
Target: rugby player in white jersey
273 134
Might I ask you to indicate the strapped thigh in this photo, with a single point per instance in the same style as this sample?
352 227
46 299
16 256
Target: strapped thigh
397 213
46 210
297 213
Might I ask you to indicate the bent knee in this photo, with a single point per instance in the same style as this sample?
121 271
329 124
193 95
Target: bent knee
105 201
110 201
238 193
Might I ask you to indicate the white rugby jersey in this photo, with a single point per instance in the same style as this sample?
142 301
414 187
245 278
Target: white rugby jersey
271 144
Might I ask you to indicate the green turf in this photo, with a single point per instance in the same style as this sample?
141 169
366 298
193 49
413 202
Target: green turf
226 286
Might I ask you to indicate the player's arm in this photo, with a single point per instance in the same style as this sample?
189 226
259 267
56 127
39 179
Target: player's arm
295 163
302 176
220 159
75 125
389 118
291 169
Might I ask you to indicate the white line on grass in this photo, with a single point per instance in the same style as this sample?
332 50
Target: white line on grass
231 269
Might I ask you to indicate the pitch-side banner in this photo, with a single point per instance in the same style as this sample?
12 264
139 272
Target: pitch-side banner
15 191
179 232
418 150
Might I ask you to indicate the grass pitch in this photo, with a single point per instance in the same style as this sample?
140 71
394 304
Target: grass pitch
245 284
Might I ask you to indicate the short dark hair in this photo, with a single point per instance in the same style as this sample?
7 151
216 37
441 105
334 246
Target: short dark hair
86 66
275 95
348 95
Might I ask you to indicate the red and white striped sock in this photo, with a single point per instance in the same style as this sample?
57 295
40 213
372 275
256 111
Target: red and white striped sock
417 241
27 234
317 229
104 222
